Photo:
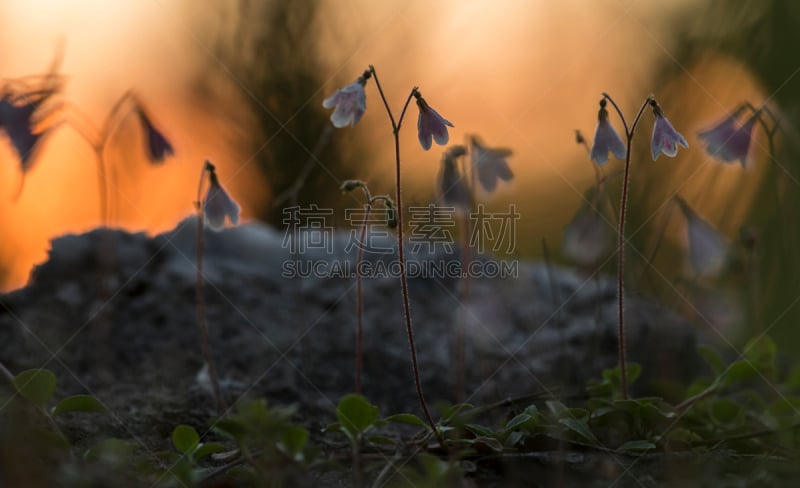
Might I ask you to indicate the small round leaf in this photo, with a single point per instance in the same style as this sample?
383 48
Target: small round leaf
79 403
185 439
37 385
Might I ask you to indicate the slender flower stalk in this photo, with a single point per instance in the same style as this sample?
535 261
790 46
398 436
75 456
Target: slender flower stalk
621 235
455 192
200 206
396 125
349 186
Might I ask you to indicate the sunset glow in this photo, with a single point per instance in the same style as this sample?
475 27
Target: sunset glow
523 75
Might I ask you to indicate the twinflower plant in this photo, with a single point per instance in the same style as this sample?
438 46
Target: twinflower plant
350 103
665 139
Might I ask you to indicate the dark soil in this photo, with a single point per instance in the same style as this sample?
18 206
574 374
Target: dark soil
113 314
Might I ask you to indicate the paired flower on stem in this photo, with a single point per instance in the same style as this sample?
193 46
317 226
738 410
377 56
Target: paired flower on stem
350 103
665 139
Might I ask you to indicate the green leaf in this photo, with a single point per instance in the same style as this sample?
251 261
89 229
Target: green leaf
356 415
408 418
293 440
381 440
725 411
557 408
37 385
185 439
683 435
208 448
740 371
713 358
484 444
518 421
479 430
615 376
451 411
579 427
515 438
79 403
231 428
637 446
762 352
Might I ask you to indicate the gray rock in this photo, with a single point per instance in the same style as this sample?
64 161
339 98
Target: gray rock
115 312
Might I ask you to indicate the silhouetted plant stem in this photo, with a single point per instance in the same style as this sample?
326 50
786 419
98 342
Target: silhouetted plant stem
623 206
201 306
400 250
99 141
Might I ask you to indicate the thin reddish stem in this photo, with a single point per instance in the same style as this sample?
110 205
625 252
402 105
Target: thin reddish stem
201 305
621 347
401 253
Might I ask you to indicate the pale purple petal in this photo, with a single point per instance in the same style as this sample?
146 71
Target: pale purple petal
431 126
708 248
350 103
490 164
727 142
665 138
588 238
606 139
218 205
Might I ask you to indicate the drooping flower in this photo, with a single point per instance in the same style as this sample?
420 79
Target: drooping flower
17 122
708 248
490 164
430 125
665 138
158 147
453 189
589 237
218 204
606 139
727 142
350 102
18 119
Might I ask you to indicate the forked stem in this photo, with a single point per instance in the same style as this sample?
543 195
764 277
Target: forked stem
401 252
623 206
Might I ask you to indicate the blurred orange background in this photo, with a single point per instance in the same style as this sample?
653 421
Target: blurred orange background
520 73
